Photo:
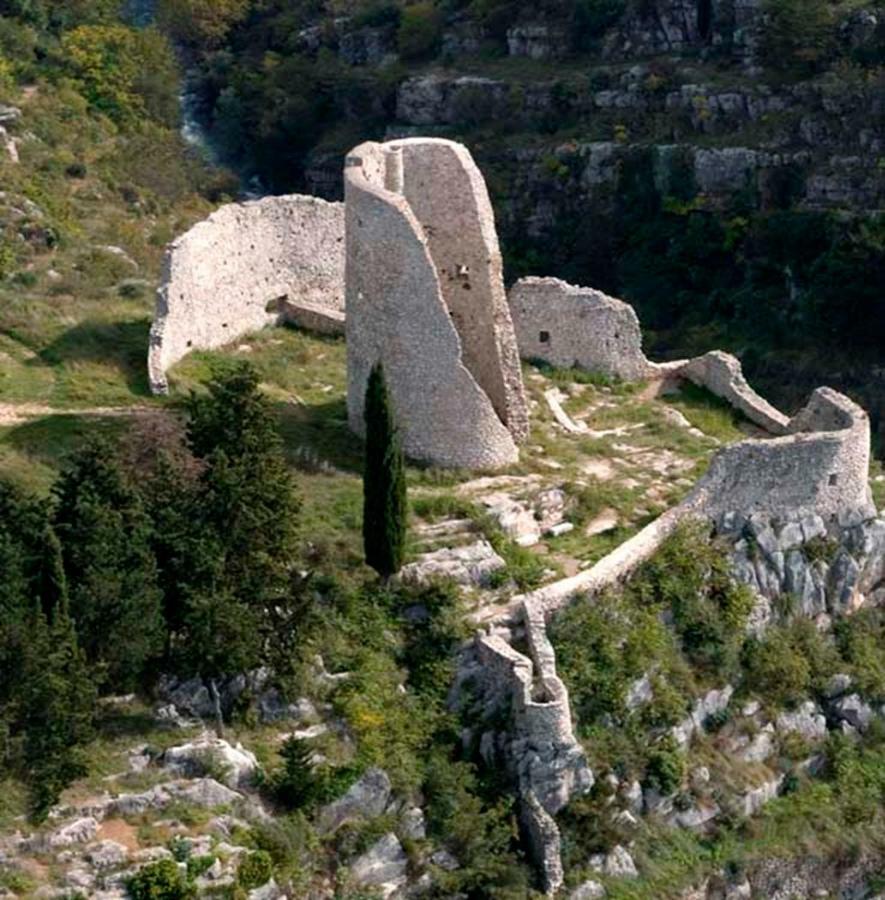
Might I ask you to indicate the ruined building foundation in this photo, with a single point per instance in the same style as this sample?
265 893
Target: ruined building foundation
425 297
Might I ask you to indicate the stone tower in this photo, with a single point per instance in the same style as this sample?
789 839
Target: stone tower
425 296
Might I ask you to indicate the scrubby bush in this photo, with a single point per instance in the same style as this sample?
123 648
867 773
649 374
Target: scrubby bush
254 870
420 30
665 768
160 881
777 669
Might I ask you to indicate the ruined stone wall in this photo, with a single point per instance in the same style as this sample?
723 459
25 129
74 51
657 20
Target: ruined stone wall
397 311
448 196
246 266
821 466
721 374
570 326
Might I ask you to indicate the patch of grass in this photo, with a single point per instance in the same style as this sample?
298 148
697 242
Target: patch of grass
31 453
707 412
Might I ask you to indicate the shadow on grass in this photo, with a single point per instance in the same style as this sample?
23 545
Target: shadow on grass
50 439
123 344
318 434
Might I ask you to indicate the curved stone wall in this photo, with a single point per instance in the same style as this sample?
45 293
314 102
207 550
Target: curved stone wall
821 466
246 266
425 298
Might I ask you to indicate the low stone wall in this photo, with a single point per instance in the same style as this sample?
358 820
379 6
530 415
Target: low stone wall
721 374
246 266
425 298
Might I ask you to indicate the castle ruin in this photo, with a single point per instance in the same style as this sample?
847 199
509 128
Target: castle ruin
410 266
248 265
425 297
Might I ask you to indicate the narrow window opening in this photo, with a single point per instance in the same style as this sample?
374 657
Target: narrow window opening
834 479
544 337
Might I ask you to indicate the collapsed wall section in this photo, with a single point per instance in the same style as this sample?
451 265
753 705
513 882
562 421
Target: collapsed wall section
397 310
721 374
246 266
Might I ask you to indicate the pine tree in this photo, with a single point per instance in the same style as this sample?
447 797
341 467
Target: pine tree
384 482
53 584
111 572
244 553
295 785
57 709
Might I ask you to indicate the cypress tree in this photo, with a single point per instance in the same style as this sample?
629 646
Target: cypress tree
384 481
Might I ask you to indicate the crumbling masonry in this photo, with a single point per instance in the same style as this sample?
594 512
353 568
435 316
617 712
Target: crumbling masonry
425 297
249 265
413 258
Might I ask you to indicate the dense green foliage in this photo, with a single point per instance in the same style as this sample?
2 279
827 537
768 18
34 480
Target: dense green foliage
96 594
385 507
160 881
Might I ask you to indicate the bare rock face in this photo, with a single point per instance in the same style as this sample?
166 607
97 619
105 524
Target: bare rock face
383 865
366 799
588 890
806 721
829 569
472 565
208 753
617 863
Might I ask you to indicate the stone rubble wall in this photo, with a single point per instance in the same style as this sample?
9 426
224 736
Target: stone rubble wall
821 466
246 266
818 468
398 281
448 196
721 374
570 326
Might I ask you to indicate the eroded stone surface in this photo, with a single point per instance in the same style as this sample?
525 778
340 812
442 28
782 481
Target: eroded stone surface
425 297
246 266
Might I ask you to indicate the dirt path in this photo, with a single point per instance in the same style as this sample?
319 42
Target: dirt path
19 413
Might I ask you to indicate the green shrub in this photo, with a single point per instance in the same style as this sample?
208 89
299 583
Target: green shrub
777 669
420 29
859 639
666 766
798 34
255 870
160 881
